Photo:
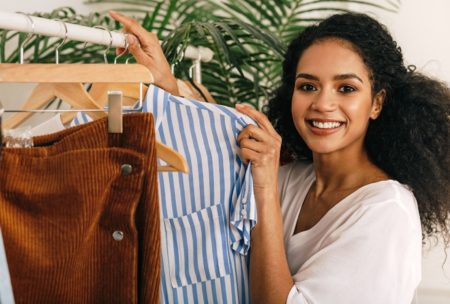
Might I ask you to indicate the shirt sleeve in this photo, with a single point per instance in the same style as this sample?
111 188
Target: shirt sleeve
375 257
243 215
243 212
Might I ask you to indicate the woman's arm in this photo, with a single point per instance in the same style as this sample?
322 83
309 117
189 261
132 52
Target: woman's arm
147 51
270 278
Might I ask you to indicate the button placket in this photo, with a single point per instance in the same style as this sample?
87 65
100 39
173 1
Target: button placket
125 169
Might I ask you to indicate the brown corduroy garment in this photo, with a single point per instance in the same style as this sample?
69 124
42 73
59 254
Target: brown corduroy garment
64 206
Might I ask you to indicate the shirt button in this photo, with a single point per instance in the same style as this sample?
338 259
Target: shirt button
118 235
126 169
243 213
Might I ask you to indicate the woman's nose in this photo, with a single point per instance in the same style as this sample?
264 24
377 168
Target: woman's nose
324 101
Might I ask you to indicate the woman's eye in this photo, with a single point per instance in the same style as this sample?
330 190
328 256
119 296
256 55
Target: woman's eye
346 89
307 87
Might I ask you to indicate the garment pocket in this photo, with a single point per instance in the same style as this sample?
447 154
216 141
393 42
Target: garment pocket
198 246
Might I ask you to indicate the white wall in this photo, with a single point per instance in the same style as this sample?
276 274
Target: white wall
422 29
30 6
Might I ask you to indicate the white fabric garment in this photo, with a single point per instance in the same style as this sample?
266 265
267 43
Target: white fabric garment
366 249
52 125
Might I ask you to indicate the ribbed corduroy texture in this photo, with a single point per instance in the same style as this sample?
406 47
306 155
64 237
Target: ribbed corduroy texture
61 202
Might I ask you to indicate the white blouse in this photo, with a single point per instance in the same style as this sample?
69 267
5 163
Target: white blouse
366 249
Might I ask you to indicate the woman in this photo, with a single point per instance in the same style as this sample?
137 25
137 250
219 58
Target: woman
348 229
366 142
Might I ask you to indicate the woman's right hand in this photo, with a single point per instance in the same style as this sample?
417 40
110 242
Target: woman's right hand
146 49
261 145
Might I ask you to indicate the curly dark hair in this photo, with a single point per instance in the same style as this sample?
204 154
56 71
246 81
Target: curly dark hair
410 138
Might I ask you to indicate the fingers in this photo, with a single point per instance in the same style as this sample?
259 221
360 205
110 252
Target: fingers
258 146
138 53
142 44
259 117
253 145
248 155
258 153
119 51
254 132
130 25
146 49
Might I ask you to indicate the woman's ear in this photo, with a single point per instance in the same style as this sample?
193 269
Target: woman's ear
377 104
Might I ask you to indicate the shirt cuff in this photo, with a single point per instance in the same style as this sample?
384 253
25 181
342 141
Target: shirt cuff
243 217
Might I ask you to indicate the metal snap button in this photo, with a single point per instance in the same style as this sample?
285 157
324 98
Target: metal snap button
126 169
118 235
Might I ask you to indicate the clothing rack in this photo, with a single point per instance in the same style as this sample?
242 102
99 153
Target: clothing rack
53 28
63 74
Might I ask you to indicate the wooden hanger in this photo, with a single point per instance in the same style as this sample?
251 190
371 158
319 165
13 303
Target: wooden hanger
72 93
204 90
63 81
130 91
99 93
187 90
66 81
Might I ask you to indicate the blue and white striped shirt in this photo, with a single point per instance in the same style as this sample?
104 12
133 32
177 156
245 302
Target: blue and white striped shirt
206 215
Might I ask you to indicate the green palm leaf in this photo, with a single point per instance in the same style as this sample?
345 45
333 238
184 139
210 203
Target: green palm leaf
248 37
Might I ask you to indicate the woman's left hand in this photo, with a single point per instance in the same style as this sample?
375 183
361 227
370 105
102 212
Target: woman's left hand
147 51
261 145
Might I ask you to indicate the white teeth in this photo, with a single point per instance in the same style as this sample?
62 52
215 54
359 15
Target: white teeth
326 125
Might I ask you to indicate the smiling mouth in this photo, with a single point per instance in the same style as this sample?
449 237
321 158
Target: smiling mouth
325 124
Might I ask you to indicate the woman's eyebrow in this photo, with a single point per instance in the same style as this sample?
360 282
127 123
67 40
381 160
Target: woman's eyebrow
347 76
307 76
337 77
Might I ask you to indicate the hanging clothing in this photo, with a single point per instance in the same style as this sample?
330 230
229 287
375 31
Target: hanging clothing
52 125
79 215
366 249
206 215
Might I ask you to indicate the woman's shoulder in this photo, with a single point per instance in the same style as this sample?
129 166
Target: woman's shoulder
385 190
388 196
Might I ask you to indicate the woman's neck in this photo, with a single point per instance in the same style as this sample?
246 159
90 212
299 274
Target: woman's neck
344 170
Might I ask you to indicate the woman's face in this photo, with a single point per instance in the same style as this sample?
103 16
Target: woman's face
332 100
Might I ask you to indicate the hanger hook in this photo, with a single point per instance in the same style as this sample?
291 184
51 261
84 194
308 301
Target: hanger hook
195 69
128 59
29 36
191 68
124 51
62 42
105 52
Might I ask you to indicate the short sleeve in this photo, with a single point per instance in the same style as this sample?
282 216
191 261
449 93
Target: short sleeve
243 213
375 257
